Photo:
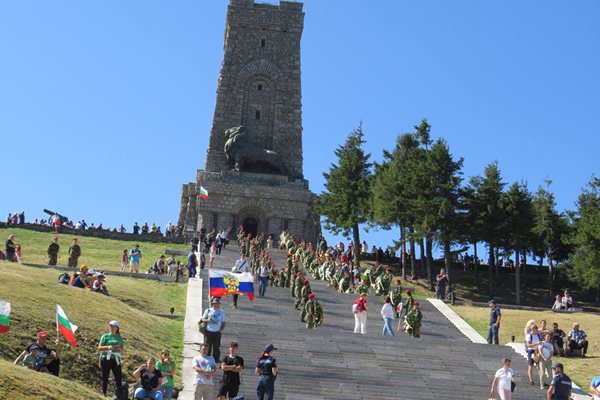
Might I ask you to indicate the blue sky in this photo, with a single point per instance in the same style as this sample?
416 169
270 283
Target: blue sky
106 107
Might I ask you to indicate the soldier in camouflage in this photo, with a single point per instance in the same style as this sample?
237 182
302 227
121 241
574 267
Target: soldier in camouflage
306 290
53 251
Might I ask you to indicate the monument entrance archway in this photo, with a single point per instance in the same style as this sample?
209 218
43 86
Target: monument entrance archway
250 225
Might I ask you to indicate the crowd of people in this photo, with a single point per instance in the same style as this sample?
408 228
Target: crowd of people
57 221
542 343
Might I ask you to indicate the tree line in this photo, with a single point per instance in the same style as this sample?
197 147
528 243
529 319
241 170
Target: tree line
418 189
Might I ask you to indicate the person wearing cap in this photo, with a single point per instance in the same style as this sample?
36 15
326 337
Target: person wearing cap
495 317
99 284
111 347
297 288
561 384
266 369
30 359
53 251
205 367
303 299
359 309
135 256
166 366
74 253
313 312
413 320
503 379
83 279
215 319
232 367
384 282
46 360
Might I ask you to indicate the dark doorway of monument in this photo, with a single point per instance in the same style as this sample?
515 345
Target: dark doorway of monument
251 226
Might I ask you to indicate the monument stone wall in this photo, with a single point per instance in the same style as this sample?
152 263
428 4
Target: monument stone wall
259 88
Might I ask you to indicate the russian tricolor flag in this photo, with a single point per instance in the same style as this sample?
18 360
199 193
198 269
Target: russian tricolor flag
222 283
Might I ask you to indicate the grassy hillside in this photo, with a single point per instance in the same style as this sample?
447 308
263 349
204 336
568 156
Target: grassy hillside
513 323
104 254
34 292
15 384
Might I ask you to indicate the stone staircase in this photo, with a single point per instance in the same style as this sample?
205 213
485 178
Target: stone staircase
334 363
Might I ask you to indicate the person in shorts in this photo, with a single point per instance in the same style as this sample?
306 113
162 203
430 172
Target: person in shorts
232 366
134 258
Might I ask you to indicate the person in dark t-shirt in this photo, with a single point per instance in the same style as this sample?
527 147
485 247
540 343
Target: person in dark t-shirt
232 366
150 379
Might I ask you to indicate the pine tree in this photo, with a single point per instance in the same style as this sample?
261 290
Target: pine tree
585 238
346 201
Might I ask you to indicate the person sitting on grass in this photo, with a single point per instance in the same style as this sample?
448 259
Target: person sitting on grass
150 381
567 300
558 336
29 360
577 340
99 284
81 279
558 303
46 360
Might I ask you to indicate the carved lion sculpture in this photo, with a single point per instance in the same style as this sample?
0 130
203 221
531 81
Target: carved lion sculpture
245 155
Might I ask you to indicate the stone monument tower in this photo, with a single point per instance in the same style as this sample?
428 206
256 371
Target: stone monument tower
253 170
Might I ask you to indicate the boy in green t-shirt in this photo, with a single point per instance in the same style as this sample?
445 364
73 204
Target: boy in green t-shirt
30 359
167 367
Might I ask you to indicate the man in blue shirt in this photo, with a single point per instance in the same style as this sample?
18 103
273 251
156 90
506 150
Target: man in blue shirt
561 384
577 340
595 387
495 317
215 319
134 259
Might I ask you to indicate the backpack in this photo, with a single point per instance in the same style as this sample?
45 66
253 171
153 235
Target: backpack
64 278
123 394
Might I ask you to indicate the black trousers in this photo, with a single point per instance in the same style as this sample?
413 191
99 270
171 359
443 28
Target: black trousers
107 366
235 299
213 340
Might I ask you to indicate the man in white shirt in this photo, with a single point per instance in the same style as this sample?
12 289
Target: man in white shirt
205 367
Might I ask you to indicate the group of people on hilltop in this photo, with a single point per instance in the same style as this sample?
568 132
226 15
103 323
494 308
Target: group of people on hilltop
16 218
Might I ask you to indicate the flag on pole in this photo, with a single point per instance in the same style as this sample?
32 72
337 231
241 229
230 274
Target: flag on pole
223 283
64 326
4 316
203 194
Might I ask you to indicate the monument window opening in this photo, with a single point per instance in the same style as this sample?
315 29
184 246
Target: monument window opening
257 114
259 87
263 42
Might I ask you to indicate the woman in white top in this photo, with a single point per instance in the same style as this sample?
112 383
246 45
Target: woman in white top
387 312
213 253
533 341
503 378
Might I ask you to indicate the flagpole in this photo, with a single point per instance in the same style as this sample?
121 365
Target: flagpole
56 317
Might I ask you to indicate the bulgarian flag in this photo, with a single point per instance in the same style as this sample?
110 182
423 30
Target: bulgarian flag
203 194
4 316
65 326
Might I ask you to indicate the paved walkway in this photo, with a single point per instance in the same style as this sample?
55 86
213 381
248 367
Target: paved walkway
334 363
192 338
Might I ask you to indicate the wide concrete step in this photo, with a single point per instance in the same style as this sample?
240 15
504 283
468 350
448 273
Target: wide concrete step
332 362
